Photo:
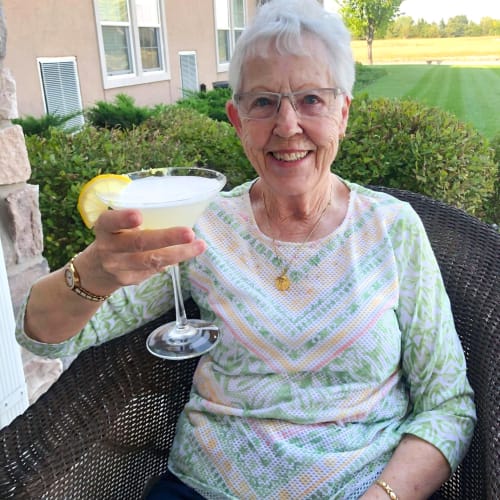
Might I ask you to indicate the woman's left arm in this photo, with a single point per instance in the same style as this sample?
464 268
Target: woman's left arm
440 423
416 470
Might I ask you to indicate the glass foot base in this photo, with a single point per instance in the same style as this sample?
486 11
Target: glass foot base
195 339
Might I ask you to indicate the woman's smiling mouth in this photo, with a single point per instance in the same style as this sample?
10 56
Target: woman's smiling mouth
292 156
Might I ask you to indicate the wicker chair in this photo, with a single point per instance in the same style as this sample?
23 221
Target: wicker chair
106 425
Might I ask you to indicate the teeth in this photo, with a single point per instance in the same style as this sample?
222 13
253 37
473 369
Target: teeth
290 156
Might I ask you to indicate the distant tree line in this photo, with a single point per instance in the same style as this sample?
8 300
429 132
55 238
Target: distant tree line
370 19
458 26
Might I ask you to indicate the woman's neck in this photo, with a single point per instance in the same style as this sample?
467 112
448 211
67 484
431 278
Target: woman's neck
293 218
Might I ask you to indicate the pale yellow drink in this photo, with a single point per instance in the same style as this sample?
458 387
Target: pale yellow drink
167 201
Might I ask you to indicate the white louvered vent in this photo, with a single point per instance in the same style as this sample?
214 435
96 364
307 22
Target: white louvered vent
13 391
61 88
189 73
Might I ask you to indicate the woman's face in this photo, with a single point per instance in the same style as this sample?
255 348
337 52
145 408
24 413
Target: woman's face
291 154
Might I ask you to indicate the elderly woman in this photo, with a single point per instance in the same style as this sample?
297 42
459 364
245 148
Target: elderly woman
339 373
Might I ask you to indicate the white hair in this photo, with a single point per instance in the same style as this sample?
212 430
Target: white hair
280 25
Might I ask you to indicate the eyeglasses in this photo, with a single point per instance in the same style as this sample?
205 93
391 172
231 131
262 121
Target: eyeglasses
306 103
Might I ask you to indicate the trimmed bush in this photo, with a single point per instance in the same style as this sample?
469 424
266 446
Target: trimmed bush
408 145
494 201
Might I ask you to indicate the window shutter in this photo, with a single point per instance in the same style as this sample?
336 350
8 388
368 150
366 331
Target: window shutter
61 89
189 73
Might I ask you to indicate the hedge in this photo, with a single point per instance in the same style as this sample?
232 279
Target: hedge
408 145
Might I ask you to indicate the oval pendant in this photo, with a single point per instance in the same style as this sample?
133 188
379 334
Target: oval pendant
282 283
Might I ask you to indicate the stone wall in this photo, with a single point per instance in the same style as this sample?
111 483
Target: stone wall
20 221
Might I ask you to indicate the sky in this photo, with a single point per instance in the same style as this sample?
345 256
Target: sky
435 10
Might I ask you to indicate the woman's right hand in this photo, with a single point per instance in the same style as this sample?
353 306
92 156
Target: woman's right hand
123 254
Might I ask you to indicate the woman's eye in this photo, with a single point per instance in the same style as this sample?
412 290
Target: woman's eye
261 102
311 99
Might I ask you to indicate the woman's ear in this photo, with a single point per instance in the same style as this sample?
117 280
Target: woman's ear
344 115
234 117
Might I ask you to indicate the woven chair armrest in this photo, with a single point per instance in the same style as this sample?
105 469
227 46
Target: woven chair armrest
102 429
468 253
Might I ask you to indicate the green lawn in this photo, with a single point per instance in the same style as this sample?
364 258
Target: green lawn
472 93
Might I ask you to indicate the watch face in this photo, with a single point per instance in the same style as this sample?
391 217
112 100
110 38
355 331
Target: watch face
68 276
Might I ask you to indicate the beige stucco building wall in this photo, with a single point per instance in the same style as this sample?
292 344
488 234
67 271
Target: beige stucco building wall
62 28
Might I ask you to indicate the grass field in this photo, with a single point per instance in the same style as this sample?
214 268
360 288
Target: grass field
471 93
424 49
463 77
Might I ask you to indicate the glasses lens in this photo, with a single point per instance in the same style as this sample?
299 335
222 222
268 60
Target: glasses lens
317 102
258 105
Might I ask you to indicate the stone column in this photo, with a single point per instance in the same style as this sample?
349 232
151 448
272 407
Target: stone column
20 221
22 243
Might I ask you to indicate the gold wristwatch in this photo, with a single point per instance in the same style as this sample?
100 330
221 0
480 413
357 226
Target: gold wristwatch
72 279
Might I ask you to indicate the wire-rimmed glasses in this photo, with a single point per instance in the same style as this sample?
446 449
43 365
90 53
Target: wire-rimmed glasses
306 103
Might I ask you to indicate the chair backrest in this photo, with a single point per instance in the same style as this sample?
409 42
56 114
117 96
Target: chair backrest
468 252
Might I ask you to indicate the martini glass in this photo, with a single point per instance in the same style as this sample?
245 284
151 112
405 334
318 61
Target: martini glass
167 197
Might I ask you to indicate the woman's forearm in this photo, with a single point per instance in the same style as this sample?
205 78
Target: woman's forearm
54 313
416 470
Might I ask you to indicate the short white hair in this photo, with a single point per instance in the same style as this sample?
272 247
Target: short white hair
281 25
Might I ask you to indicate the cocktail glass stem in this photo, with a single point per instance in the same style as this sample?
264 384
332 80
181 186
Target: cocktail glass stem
182 338
180 312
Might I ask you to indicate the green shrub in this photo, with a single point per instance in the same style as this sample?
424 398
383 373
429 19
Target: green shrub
121 113
211 103
494 202
408 145
62 163
41 126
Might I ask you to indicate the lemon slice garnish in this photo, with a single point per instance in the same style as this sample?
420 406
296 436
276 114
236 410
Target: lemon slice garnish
90 205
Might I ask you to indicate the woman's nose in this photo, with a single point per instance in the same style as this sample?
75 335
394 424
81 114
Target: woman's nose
287 119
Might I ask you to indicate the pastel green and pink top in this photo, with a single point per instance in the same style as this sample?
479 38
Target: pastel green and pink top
310 390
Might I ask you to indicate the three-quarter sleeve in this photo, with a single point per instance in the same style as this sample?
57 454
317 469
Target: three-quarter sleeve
433 362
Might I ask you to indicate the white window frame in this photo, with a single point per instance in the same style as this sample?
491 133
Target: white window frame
137 76
224 66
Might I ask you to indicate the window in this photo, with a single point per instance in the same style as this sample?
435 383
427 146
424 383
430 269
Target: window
132 41
61 88
230 22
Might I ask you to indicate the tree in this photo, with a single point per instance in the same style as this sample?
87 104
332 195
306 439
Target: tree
368 18
490 26
457 26
401 27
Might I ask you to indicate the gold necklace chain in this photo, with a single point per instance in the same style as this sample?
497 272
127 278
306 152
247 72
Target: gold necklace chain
283 282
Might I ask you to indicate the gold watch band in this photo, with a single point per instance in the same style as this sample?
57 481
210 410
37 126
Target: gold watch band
77 288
